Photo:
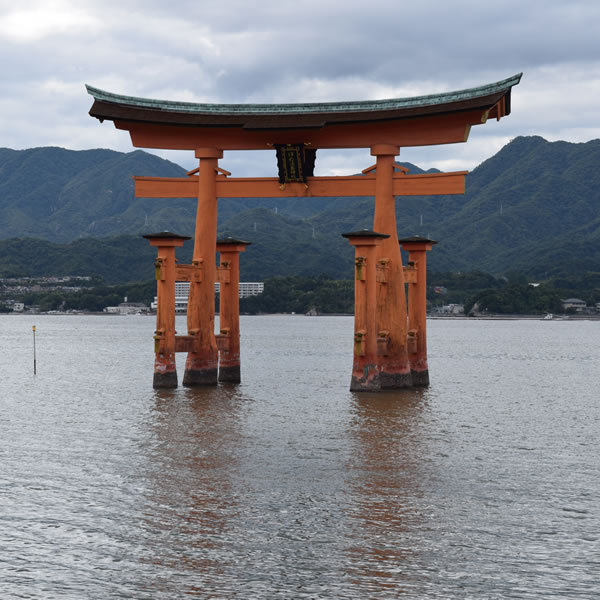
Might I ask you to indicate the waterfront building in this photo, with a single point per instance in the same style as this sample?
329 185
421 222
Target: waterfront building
182 290
575 303
127 308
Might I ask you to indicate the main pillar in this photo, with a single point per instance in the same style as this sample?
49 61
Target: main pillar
229 308
165 371
202 364
417 248
391 296
366 375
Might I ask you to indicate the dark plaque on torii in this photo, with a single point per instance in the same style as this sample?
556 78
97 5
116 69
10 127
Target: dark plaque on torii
295 162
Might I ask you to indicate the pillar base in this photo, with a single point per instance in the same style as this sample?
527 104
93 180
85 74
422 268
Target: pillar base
165 380
395 371
192 377
419 370
395 381
165 372
420 378
365 379
230 374
200 371
364 385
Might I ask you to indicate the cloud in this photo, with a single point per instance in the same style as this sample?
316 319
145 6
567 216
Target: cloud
40 20
276 52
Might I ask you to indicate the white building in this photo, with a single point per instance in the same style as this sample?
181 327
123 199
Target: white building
127 308
576 303
182 290
451 309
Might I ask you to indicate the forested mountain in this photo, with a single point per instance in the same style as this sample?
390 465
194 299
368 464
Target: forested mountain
61 195
532 207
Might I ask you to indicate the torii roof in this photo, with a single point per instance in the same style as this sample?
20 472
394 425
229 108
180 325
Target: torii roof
112 106
421 120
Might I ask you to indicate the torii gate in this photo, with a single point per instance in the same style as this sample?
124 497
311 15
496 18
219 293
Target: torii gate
390 343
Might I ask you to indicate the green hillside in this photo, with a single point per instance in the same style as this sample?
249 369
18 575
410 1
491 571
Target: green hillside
116 260
61 195
532 207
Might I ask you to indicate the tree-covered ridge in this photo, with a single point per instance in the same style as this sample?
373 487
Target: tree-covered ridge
533 207
316 295
60 195
116 260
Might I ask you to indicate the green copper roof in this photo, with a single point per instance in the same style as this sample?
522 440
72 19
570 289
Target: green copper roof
305 108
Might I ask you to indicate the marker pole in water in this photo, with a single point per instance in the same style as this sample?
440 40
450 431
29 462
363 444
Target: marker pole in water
34 365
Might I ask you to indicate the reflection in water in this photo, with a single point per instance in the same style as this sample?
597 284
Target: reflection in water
386 482
190 500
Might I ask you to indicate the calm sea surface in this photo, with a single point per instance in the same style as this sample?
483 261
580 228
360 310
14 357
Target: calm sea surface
485 485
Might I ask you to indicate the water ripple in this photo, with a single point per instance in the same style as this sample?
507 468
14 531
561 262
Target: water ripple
290 486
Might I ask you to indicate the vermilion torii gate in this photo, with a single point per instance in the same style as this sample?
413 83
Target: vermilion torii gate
389 341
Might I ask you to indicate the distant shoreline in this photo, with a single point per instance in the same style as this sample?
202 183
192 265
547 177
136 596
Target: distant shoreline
517 318
498 317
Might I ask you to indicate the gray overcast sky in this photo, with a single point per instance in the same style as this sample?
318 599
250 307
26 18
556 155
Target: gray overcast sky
283 51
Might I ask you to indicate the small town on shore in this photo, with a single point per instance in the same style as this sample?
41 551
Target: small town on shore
49 295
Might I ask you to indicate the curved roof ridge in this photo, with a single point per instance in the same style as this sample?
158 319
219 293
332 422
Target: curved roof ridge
305 107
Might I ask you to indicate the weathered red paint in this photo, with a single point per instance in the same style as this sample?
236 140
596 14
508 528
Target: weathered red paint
417 307
394 366
229 312
165 371
201 366
366 371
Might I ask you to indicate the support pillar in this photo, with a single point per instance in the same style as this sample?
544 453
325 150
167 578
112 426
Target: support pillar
366 375
391 296
229 310
417 248
202 364
165 371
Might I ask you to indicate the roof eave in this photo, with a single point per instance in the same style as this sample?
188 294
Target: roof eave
117 112
108 106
